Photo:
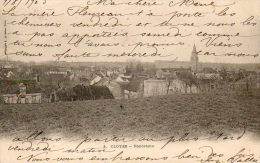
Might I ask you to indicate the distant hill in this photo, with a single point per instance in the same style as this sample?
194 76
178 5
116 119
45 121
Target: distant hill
158 64
228 66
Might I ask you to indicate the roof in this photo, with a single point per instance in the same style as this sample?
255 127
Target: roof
102 81
121 79
194 50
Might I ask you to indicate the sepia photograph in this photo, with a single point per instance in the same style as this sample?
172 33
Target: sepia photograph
130 81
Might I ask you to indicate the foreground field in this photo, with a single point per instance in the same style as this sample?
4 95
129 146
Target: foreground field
157 116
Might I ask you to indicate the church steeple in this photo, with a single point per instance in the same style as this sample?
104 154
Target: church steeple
194 59
194 49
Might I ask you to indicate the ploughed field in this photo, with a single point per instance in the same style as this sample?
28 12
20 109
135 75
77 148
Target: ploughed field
156 117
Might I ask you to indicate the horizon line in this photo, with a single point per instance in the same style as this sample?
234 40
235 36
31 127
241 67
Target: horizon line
40 62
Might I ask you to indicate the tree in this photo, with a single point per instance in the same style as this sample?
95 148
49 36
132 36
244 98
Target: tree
223 74
139 67
168 84
188 78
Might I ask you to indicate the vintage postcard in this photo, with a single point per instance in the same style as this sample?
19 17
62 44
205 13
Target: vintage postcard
103 81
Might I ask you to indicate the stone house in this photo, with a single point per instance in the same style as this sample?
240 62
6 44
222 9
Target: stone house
22 95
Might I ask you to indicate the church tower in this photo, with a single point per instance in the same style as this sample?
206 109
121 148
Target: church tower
194 59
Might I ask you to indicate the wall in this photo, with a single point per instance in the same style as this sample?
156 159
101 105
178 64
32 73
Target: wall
35 98
162 87
155 88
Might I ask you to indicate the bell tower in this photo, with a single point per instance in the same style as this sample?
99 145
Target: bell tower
194 59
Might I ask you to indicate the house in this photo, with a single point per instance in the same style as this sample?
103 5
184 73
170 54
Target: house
209 80
8 71
32 98
59 71
121 79
155 87
170 73
22 95
114 86
117 89
95 80
209 76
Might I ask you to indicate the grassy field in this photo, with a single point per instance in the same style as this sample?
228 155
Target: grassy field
157 116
